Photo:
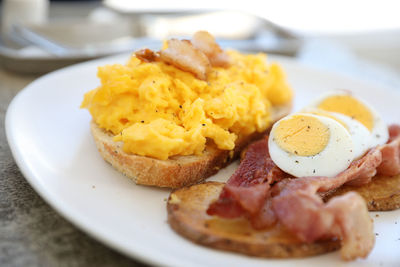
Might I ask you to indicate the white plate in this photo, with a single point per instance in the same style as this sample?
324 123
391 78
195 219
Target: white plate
50 139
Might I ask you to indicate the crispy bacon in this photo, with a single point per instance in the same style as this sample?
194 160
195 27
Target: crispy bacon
301 210
359 172
265 217
206 43
183 55
354 225
297 204
147 55
196 56
247 189
391 153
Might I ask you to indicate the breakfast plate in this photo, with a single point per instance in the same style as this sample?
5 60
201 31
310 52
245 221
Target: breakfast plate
51 142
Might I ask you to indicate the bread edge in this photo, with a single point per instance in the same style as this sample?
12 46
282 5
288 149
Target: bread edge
176 171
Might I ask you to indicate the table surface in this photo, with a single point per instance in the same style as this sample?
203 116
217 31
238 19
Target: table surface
31 232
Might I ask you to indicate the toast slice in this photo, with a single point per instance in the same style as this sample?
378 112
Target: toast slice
187 216
381 194
177 171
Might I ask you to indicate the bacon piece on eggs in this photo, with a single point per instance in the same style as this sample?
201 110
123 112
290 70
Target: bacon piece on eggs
147 55
204 41
196 56
183 55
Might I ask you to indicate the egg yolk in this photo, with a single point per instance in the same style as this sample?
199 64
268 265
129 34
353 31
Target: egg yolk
349 106
302 135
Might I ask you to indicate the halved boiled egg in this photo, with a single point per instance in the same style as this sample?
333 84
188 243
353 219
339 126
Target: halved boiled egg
343 102
360 135
310 145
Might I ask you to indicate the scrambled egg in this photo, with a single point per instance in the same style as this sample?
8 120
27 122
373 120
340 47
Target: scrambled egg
158 110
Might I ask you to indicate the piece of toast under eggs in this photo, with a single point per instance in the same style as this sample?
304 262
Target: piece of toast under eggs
177 171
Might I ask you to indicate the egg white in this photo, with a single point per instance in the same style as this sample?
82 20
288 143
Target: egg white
360 134
379 133
333 159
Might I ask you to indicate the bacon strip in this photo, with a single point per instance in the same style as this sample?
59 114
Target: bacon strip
391 153
248 188
354 225
196 56
296 203
359 172
183 55
147 55
206 43
246 191
257 167
301 210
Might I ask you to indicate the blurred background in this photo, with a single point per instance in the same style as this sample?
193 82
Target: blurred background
358 38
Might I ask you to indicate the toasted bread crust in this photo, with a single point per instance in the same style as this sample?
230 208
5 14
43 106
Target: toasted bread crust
187 216
381 194
176 171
